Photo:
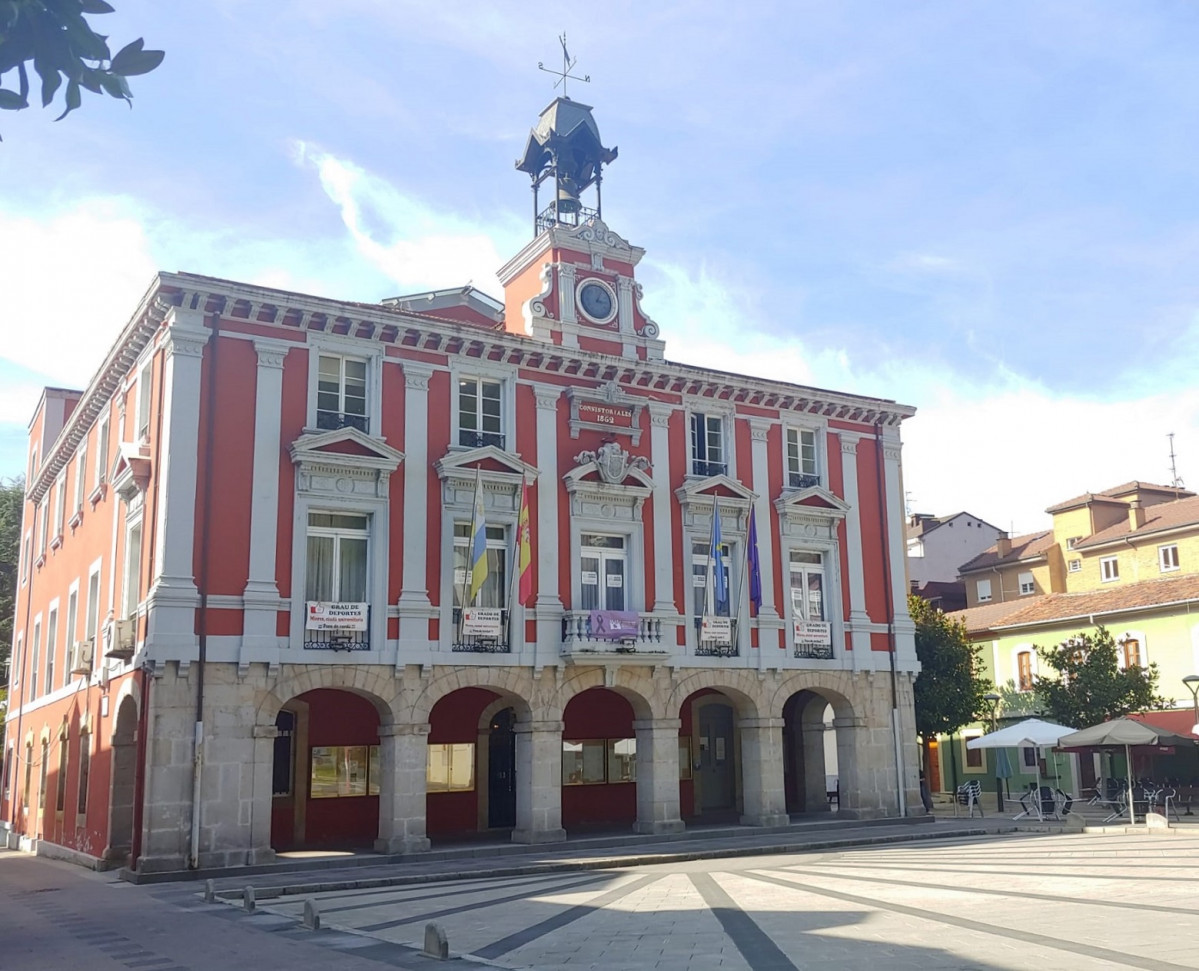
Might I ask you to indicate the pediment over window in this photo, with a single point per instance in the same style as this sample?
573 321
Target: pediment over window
346 448
131 471
698 497
811 513
499 473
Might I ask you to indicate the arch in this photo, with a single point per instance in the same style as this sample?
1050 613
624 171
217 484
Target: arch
829 684
122 778
598 783
629 683
742 688
819 772
516 685
378 689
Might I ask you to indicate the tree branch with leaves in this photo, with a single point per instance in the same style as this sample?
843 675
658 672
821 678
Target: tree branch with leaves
55 38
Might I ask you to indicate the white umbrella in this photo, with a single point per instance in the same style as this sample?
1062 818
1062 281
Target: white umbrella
1030 733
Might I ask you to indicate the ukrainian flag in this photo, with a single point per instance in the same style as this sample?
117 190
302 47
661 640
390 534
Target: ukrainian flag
478 545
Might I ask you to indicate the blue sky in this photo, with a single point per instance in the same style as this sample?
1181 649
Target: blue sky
988 211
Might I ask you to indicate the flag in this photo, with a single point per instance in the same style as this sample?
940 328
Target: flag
478 544
524 549
754 563
720 582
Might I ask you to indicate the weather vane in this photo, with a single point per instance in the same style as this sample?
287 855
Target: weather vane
567 64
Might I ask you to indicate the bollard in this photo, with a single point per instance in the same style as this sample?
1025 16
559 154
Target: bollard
436 945
312 915
247 899
209 892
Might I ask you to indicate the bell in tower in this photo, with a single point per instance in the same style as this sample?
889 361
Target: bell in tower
565 147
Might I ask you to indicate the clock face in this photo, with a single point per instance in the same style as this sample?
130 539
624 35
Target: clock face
597 301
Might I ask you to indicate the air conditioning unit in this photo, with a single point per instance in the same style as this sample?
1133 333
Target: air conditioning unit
81 658
119 639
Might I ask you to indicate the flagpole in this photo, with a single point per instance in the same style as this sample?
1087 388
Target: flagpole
514 578
466 559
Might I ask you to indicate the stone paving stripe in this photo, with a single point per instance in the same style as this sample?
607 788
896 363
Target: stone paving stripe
568 916
525 882
446 912
1028 937
987 891
147 962
999 871
755 945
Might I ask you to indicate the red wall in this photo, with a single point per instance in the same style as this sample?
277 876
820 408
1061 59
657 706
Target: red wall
598 713
455 718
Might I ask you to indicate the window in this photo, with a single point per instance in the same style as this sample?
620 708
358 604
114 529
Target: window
144 383
341 393
133 561
337 557
100 475
51 647
93 605
1109 568
807 585
60 788
28 778
26 557
707 445
494 592
1024 673
1073 541
1130 652
340 771
598 761
85 767
603 568
72 622
60 504
80 477
35 659
974 757
43 510
704 584
8 756
451 767
480 412
43 772
283 764
1167 558
1028 755
984 590
1074 566
1027 584
802 463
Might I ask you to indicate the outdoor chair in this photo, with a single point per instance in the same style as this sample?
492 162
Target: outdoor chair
1030 803
1065 803
968 794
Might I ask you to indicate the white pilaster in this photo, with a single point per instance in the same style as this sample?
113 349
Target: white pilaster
905 629
566 293
769 624
539 783
173 595
261 592
403 757
548 602
858 621
414 606
658 776
659 443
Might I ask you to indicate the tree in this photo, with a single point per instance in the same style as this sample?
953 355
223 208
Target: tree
55 37
1090 687
12 505
949 690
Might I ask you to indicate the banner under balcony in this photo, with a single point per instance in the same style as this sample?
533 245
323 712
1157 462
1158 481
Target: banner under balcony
336 616
615 625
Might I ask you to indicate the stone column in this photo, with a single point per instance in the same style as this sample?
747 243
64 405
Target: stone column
404 758
815 790
858 620
658 776
659 444
414 606
905 629
768 621
548 602
539 782
865 767
173 596
764 799
261 592
260 850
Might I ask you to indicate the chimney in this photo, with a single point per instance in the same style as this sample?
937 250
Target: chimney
1003 544
1136 514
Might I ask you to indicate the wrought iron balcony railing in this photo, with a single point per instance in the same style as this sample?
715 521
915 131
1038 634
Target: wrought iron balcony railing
700 467
802 480
330 420
480 643
473 439
715 648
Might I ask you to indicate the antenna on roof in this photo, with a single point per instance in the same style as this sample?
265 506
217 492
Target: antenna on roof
1175 481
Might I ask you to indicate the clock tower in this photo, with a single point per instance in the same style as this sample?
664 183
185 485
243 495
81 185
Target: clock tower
573 285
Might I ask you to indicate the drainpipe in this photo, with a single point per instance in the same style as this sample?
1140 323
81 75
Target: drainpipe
882 518
202 622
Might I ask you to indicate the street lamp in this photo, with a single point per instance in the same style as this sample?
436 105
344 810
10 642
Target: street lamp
992 699
1192 682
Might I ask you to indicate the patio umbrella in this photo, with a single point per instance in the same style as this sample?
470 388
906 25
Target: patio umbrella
1030 733
1127 732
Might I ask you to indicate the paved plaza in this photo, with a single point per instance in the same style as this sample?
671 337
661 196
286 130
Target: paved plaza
1003 901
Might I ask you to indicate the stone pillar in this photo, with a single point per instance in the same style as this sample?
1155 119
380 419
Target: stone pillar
548 602
865 758
539 782
905 629
858 620
659 443
414 606
658 776
173 596
404 759
261 591
764 799
769 623
815 790
263 793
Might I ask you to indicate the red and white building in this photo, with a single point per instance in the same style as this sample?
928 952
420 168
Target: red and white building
239 626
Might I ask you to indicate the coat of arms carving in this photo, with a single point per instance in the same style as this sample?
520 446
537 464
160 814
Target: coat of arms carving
613 462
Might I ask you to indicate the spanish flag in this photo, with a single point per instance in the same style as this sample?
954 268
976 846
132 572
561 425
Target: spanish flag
524 549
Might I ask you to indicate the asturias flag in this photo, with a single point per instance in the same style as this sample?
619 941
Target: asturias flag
478 544
720 582
755 564
524 549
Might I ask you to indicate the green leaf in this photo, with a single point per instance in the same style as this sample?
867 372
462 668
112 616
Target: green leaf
94 6
114 85
50 82
11 101
73 99
90 79
131 60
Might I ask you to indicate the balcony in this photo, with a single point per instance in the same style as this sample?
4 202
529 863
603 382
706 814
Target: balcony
332 420
345 638
612 633
801 480
814 640
701 467
473 439
716 647
464 643
818 652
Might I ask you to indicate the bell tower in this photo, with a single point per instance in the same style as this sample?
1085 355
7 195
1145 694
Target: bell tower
573 285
